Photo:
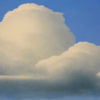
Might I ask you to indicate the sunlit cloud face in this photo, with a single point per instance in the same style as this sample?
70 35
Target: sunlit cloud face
30 33
38 56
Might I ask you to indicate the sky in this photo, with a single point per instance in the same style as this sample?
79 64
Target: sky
49 50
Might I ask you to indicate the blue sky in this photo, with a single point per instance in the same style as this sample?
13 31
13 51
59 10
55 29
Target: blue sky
82 16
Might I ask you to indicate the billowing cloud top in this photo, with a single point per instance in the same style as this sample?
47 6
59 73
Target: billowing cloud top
38 54
31 33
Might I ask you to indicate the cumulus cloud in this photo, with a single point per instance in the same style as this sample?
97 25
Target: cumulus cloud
28 34
77 69
83 56
38 56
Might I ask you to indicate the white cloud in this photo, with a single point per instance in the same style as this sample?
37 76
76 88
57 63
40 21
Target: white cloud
75 70
31 33
83 57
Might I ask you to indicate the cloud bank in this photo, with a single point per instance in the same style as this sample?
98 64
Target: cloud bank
38 56
77 69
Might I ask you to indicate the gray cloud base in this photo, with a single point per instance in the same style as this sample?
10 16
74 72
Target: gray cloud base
61 77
